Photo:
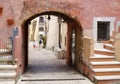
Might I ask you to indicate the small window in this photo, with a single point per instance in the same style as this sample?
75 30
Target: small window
41 29
103 29
41 19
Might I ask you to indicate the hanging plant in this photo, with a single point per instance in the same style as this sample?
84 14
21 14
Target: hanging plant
44 41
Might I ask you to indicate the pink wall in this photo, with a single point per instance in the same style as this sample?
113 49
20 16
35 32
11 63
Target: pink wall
85 10
82 10
11 10
99 8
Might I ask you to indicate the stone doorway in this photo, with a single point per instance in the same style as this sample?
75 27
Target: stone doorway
72 24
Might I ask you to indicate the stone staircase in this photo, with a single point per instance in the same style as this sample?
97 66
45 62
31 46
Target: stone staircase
7 69
7 74
106 69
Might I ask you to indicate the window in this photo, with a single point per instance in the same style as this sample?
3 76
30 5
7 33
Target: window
41 19
41 29
103 30
99 23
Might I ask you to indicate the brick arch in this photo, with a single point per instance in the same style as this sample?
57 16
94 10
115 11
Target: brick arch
36 7
72 23
29 13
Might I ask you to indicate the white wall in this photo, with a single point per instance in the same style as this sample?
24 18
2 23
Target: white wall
64 34
36 30
53 32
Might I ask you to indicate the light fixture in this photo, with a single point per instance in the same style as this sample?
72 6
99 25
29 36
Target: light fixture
49 18
59 20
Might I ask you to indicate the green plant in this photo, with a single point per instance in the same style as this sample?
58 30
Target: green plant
44 41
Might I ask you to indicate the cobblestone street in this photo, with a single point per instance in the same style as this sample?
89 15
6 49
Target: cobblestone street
45 68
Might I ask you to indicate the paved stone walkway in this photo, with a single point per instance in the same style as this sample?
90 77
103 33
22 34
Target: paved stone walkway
45 68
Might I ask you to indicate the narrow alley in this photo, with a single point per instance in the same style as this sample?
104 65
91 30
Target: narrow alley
45 68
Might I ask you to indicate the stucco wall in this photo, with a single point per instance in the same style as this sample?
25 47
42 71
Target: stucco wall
64 35
53 32
81 11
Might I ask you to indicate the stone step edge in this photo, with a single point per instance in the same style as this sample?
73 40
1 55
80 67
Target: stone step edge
104 50
7 82
110 45
107 70
8 67
101 56
6 59
115 77
105 63
7 75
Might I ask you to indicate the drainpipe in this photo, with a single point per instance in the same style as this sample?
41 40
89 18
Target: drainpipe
59 22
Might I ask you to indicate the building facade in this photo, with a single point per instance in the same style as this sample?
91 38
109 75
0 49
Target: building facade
96 19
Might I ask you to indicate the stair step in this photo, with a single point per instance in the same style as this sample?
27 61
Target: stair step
104 52
7 79
109 47
108 79
7 75
98 57
3 67
7 71
115 77
103 63
106 71
101 56
6 58
7 82
111 41
106 64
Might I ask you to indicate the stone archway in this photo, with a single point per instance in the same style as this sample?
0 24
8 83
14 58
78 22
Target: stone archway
71 24
32 10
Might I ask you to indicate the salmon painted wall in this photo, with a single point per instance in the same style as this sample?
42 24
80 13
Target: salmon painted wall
99 8
84 10
15 12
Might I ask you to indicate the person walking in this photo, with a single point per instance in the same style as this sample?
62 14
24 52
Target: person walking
34 44
40 43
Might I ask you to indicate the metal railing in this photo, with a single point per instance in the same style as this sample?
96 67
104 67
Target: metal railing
7 45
